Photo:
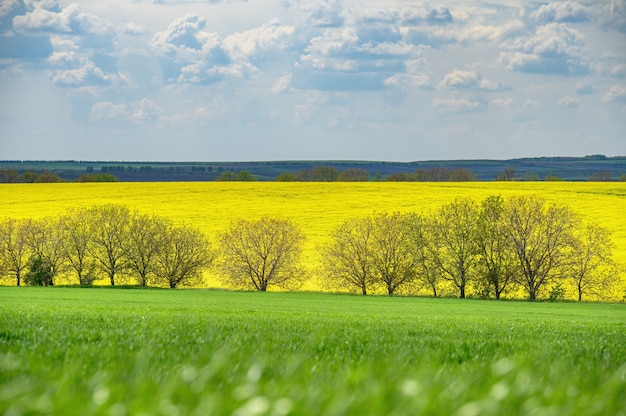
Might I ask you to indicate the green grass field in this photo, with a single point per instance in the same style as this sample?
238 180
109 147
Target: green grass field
200 352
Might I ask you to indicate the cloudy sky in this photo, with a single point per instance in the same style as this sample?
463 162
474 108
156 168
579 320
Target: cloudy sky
211 80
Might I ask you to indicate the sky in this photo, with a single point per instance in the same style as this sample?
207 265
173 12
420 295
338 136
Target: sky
235 80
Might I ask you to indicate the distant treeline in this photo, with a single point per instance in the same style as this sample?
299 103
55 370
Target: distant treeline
13 176
591 168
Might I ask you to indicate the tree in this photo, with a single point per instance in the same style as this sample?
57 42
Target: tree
183 253
348 259
40 272
591 261
110 227
401 177
497 260
461 175
422 244
75 228
143 243
261 253
508 174
48 177
28 177
287 177
245 176
228 176
353 175
393 260
324 174
454 250
540 234
44 240
602 176
14 251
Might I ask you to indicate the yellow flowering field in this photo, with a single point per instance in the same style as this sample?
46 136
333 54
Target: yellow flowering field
316 207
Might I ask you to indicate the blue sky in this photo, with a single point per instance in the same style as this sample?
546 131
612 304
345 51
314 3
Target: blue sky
233 80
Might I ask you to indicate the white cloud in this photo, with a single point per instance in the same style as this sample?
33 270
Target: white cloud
564 11
70 19
583 88
283 84
568 102
6 6
554 48
325 13
87 74
417 80
143 111
617 93
107 111
459 104
268 37
469 79
501 102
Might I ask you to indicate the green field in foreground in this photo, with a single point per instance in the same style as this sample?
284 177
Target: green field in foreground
121 351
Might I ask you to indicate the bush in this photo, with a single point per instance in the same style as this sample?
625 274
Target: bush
40 273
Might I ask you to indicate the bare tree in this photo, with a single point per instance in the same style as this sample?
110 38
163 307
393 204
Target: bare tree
454 249
14 250
497 261
76 231
592 267
393 260
540 234
143 243
257 254
110 228
183 254
347 259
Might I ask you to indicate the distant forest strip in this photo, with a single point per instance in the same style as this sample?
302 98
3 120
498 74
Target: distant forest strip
589 168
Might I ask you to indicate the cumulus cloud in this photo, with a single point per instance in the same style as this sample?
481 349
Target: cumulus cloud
328 13
554 48
469 79
70 19
617 93
81 72
272 36
566 11
191 54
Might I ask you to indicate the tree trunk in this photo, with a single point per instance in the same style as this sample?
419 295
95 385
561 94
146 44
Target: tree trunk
19 278
462 292
364 290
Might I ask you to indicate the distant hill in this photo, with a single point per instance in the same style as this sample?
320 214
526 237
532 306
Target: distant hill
596 167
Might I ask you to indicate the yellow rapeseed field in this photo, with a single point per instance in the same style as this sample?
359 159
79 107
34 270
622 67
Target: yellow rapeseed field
316 207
